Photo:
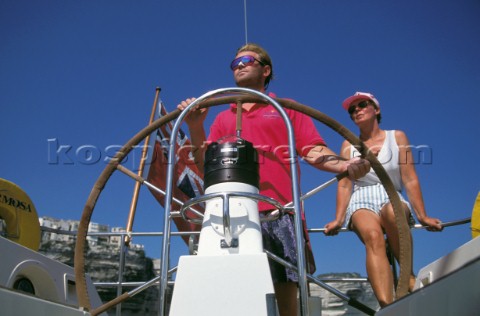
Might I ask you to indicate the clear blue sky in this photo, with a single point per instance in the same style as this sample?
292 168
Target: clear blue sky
83 74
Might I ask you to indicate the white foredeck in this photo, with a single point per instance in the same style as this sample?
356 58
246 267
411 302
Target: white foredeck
447 286
15 303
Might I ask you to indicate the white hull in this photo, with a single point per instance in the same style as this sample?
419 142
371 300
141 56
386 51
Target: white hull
53 283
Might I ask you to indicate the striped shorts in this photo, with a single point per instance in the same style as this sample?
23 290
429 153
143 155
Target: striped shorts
372 197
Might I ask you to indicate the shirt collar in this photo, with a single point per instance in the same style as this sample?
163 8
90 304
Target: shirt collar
233 106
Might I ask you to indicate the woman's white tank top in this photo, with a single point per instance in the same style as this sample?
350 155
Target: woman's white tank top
388 157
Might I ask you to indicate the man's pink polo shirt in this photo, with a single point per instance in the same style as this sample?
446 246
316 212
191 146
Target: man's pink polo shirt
263 126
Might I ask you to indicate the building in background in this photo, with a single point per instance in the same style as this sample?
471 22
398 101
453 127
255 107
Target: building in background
65 231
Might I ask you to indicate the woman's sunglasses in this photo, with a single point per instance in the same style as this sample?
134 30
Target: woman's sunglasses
360 105
246 60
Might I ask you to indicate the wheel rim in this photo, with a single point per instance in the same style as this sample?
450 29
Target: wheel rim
405 260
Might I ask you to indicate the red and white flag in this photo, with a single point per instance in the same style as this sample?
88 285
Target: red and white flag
187 180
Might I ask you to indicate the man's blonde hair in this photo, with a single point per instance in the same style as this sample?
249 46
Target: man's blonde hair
264 58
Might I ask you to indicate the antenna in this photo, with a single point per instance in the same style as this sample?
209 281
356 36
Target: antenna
245 15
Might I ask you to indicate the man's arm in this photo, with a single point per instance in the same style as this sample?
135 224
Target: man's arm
323 158
194 120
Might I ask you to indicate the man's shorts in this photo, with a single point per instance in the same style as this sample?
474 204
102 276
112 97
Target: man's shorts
279 238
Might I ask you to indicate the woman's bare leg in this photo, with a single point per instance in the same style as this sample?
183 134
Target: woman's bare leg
387 218
368 227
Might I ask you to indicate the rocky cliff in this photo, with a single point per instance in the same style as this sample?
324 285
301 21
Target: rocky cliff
103 266
333 305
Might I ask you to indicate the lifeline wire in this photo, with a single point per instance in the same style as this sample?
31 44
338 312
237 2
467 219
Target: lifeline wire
245 15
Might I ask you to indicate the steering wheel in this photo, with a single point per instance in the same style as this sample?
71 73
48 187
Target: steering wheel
405 260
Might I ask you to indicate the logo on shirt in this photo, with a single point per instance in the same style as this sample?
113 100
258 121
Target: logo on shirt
271 114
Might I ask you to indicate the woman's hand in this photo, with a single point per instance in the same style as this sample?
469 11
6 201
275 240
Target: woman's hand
431 224
332 228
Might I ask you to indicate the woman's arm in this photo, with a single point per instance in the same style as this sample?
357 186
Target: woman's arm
344 191
411 183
